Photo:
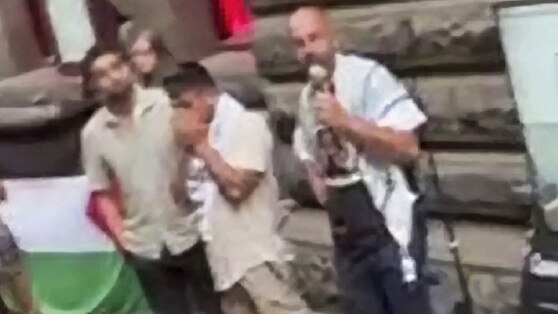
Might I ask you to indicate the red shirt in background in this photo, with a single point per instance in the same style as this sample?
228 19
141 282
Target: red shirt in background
232 17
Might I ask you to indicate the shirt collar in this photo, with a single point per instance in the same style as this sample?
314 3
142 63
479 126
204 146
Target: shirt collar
221 109
339 60
227 108
218 115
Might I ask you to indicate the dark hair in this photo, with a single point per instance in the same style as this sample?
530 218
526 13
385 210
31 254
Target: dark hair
192 76
93 54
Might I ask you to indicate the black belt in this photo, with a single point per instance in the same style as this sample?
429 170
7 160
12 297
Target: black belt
354 219
376 237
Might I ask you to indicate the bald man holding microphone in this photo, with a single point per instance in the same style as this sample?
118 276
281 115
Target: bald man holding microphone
356 131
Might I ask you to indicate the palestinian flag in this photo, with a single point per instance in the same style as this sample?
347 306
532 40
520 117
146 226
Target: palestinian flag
74 266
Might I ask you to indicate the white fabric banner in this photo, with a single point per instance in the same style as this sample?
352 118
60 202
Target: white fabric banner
49 215
72 28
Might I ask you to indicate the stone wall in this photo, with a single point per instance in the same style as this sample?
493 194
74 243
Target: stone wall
448 53
186 27
407 36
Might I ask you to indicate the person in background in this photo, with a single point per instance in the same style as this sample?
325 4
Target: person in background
11 269
232 157
371 206
151 59
131 140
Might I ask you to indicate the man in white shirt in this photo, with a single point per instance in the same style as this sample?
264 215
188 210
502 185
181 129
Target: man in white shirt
234 147
355 115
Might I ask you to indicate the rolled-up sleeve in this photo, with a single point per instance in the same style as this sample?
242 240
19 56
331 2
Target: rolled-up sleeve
389 104
93 162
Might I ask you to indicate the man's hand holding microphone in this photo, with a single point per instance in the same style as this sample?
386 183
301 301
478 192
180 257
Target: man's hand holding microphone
327 108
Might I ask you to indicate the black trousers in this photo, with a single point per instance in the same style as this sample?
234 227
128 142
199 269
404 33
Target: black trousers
167 281
368 260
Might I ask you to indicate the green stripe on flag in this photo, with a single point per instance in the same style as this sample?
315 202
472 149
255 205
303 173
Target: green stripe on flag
85 283
74 267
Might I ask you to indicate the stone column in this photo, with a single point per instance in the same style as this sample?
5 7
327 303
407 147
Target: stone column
104 18
42 28
19 51
186 26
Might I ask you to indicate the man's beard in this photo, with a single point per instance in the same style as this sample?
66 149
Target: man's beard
120 95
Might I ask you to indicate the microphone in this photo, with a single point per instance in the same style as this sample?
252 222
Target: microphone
330 143
318 78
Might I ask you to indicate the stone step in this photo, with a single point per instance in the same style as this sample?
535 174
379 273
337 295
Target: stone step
481 184
242 41
483 245
434 35
230 64
45 82
465 111
493 185
492 256
265 7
